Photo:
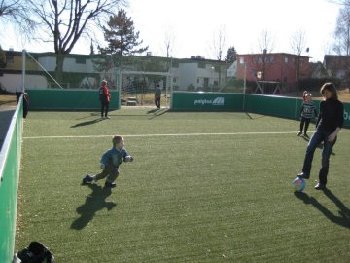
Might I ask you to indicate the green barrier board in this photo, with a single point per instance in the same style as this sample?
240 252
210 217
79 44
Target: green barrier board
69 100
10 161
279 106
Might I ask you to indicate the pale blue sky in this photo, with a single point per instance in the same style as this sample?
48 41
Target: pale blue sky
193 26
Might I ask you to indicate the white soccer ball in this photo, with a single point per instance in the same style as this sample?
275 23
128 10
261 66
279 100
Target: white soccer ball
299 184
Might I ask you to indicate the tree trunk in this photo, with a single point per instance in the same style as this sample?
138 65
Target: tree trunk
59 68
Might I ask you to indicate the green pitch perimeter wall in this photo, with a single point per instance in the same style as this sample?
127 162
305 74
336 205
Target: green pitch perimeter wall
55 99
9 169
279 106
284 107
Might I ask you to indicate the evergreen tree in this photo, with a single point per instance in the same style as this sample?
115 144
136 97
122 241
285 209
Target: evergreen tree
2 58
231 55
121 36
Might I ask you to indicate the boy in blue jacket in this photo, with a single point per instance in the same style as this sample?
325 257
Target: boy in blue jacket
110 162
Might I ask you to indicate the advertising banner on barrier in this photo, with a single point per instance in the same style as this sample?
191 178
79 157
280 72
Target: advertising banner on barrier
199 101
347 115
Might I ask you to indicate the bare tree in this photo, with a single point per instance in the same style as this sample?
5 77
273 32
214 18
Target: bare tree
266 42
340 2
219 42
169 40
342 30
14 12
266 45
298 44
218 49
63 23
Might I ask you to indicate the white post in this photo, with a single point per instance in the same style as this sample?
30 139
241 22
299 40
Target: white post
171 91
167 84
120 87
244 85
23 68
212 79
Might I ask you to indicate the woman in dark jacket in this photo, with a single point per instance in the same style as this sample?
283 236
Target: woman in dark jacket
329 123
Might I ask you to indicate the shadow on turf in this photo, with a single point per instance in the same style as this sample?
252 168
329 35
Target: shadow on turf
250 116
94 202
157 112
343 219
86 123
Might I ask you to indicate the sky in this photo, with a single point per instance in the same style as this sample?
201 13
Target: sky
193 26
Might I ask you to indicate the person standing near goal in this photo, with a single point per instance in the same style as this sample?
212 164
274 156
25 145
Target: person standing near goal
105 98
329 123
110 162
157 95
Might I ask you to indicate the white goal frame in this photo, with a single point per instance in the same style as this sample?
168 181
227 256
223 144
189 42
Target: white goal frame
168 88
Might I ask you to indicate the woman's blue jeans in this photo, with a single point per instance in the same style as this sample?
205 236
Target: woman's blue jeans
314 142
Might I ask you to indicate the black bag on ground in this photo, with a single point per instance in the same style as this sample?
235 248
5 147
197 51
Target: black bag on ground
35 253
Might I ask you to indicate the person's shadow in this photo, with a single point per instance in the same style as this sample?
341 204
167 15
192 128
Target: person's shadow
157 113
343 216
94 202
86 123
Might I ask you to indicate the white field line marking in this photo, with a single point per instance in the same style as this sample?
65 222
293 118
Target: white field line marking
160 134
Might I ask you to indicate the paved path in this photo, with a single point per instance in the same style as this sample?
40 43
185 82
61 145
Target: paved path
6 114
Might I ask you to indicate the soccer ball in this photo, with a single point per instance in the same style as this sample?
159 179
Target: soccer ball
299 184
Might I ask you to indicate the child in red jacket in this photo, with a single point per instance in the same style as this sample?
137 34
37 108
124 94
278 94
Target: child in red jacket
105 98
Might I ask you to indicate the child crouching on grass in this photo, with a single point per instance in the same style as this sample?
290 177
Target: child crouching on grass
110 162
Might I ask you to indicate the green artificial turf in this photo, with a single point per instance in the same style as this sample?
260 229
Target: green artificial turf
204 187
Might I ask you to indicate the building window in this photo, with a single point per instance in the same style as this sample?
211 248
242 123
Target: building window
206 83
201 64
80 60
285 59
175 64
10 58
241 60
269 59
